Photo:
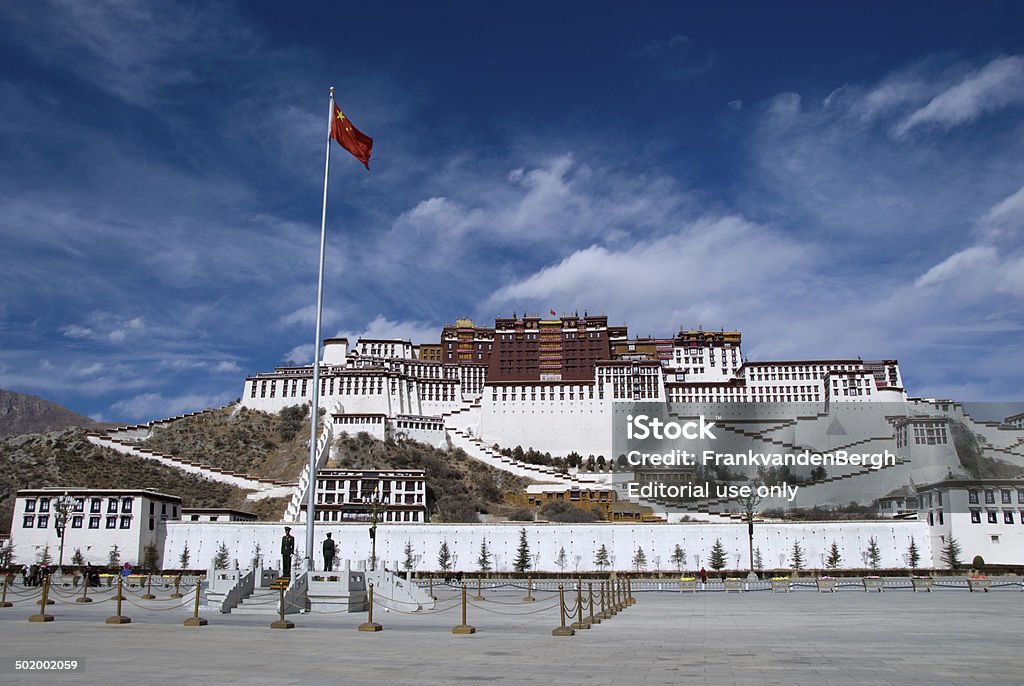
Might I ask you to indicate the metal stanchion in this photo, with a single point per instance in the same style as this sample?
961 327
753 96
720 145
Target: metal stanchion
195 619
119 618
280 622
5 602
630 600
84 598
177 586
479 589
529 590
430 581
464 628
149 589
562 630
580 623
369 624
42 616
594 619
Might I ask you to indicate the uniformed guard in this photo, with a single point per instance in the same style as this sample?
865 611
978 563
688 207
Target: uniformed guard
329 553
287 549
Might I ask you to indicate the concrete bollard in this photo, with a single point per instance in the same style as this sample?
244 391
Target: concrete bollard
119 618
464 628
562 630
195 619
369 624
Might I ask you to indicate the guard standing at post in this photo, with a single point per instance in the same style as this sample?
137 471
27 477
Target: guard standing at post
329 553
287 549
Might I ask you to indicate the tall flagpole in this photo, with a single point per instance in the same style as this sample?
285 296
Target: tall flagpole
315 409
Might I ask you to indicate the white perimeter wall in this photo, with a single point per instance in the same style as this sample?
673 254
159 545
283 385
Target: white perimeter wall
545 540
556 426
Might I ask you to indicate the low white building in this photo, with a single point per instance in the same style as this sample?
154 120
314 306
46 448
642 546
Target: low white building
348 495
97 520
984 516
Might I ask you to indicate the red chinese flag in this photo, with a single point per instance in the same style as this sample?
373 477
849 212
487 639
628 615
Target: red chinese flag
351 138
553 313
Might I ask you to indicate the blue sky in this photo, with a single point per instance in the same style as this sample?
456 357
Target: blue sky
834 179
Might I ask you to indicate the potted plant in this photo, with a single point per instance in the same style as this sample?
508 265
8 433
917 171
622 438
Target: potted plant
873 583
826 583
922 583
687 583
733 585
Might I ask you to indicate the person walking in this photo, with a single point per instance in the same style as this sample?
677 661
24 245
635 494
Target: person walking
329 550
703 577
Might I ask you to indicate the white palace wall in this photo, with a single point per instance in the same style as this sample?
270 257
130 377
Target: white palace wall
557 426
545 540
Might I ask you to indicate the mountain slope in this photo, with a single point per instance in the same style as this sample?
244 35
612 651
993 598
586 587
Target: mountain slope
27 414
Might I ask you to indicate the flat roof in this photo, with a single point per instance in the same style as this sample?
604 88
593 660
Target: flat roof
28 492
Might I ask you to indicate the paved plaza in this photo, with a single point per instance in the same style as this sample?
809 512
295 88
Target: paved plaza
896 637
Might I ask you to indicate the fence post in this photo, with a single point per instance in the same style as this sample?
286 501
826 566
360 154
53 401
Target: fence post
177 587
84 598
529 590
580 623
149 589
464 628
195 619
281 622
479 589
562 630
594 619
119 618
5 602
42 616
369 624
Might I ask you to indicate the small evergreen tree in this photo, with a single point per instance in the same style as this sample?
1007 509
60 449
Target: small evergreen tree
7 554
718 558
44 557
561 559
913 555
114 556
484 560
151 557
444 557
758 561
601 558
874 554
409 562
184 558
796 558
834 558
639 559
951 553
522 562
678 557
223 557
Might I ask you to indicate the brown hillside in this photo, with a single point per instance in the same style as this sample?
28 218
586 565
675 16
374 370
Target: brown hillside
66 458
263 445
27 414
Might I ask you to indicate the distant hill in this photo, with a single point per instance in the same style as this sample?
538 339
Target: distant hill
27 414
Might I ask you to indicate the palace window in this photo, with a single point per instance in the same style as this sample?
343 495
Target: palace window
94 522
975 516
992 519
1008 516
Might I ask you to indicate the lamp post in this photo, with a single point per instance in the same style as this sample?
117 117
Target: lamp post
376 504
62 507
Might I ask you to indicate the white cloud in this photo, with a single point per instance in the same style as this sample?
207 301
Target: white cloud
998 84
382 327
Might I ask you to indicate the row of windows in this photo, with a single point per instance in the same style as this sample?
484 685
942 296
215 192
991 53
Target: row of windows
43 521
388 516
95 505
1005 495
992 516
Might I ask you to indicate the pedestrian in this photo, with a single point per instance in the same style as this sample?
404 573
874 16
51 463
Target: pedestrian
329 550
287 550
703 576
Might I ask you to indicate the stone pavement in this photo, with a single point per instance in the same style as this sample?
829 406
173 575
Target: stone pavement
898 637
